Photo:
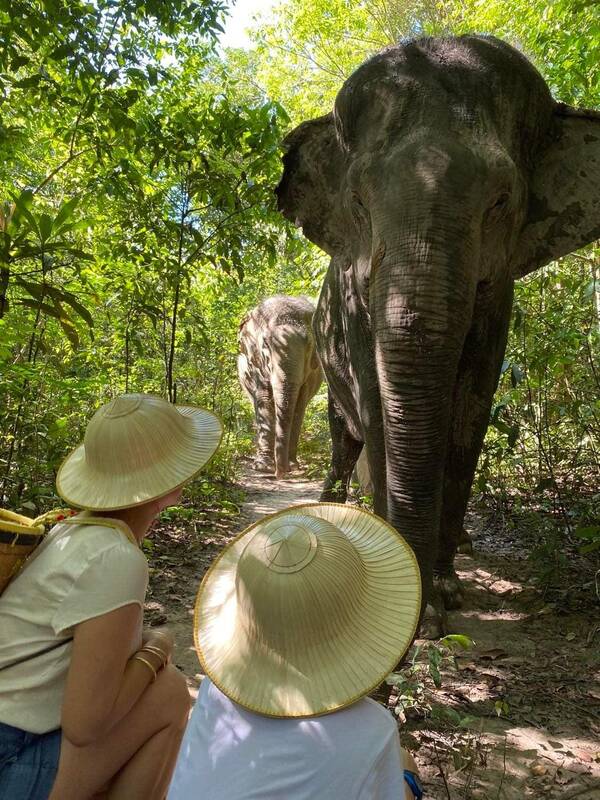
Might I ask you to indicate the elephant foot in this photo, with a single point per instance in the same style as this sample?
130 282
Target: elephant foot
433 623
451 591
264 465
465 544
282 472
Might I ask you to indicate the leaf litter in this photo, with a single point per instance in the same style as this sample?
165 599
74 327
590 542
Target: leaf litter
517 716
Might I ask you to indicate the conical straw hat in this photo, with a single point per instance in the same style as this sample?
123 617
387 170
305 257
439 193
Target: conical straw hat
307 610
137 448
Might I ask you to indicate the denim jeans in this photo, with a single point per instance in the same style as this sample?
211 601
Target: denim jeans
28 763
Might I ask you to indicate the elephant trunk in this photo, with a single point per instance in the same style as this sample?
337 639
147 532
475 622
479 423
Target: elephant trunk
421 300
286 398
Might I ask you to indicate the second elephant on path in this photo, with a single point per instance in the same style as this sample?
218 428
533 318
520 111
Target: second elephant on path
280 372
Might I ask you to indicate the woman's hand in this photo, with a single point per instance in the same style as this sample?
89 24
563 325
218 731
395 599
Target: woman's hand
161 638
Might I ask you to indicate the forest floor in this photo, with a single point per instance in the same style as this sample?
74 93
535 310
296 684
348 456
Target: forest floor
524 719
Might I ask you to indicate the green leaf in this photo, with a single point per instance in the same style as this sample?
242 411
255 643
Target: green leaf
28 83
518 317
34 289
513 435
502 708
68 327
463 641
590 547
435 675
23 204
61 52
65 212
501 426
45 227
545 483
18 62
516 375
62 296
48 309
588 532
435 657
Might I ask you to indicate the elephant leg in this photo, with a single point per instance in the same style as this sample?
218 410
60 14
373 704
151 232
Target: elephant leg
345 451
477 378
285 399
298 418
465 544
264 415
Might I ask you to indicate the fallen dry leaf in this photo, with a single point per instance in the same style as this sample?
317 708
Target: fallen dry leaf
492 655
538 769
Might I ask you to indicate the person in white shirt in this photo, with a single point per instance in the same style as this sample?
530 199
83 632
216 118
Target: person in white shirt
89 705
296 622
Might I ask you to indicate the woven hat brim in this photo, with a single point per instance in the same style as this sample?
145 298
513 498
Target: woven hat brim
362 648
83 487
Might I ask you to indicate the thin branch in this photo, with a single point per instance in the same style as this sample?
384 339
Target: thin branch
192 257
307 57
103 55
439 766
498 795
71 157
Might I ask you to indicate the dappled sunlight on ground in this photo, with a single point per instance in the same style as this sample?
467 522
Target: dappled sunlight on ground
535 660
529 686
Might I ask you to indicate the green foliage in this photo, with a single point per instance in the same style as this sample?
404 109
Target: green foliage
591 536
137 225
416 684
316 45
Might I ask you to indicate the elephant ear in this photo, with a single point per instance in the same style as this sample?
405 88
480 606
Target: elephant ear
564 199
308 193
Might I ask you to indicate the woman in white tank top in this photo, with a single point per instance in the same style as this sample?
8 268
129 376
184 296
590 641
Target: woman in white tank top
89 703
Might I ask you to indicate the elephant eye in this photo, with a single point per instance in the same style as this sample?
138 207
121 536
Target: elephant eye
496 211
359 210
356 200
501 201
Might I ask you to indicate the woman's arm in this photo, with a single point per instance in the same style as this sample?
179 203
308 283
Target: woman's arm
104 683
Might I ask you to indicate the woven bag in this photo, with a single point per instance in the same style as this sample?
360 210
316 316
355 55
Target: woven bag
19 536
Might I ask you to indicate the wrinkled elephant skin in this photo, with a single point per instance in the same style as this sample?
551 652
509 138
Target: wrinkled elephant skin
280 372
445 172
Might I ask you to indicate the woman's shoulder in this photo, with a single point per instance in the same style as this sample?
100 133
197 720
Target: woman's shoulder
90 538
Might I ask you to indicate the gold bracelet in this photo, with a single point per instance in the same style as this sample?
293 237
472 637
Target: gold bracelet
138 657
157 651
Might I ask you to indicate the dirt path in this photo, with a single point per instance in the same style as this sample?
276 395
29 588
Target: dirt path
524 719
527 694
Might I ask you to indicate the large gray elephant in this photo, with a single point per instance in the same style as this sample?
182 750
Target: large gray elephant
445 172
279 369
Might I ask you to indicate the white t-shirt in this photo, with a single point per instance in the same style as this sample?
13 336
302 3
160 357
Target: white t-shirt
229 753
76 573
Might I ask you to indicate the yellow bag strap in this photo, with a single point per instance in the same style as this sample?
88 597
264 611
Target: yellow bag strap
105 522
12 522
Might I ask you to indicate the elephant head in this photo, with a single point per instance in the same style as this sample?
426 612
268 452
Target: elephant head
446 167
